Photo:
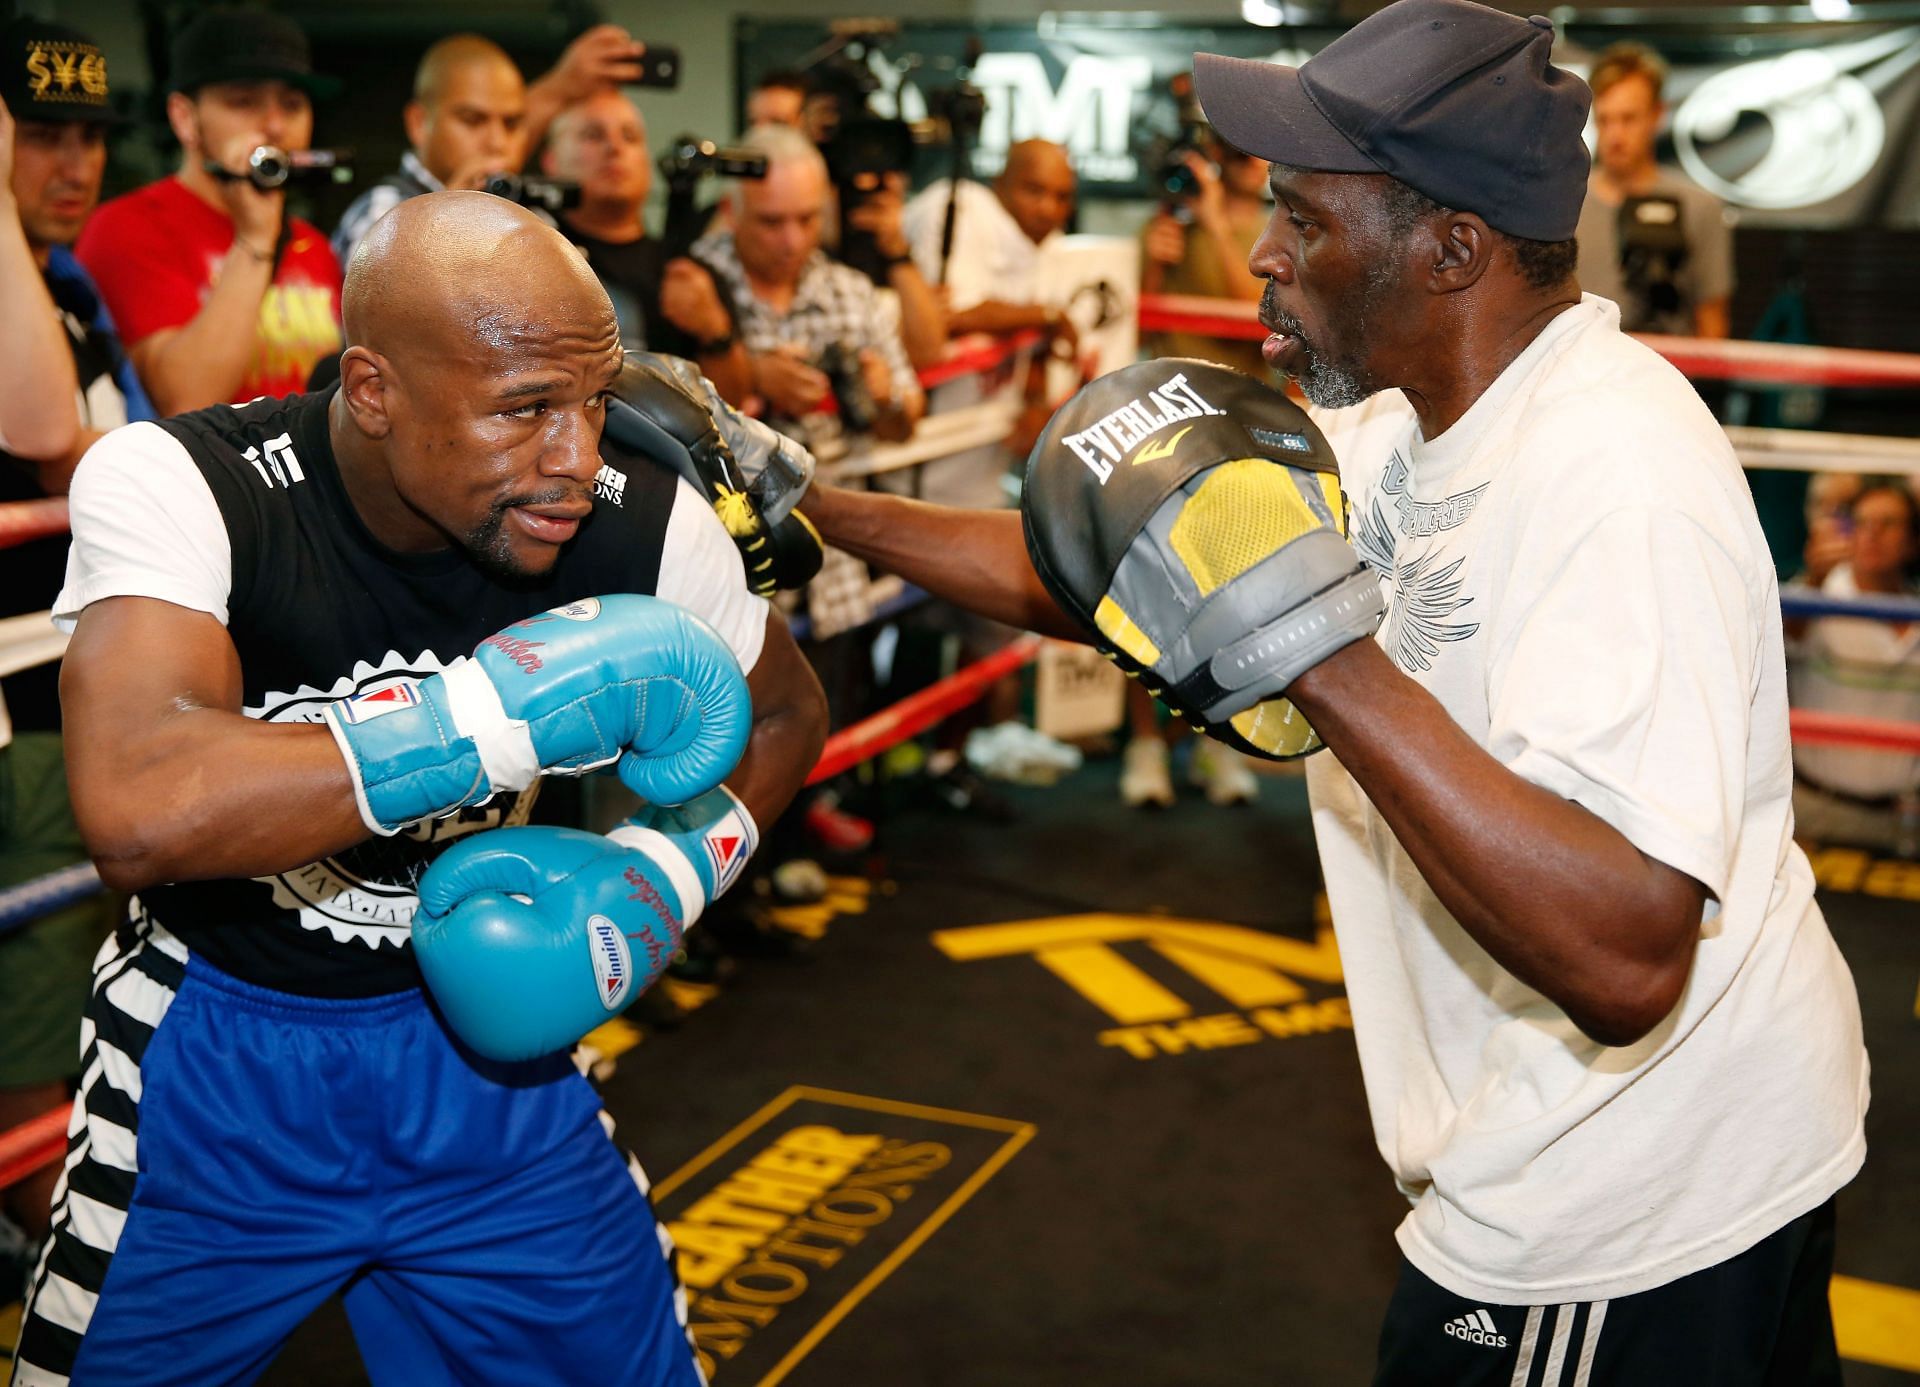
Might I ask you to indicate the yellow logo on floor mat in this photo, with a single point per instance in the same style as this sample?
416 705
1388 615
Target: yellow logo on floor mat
1251 969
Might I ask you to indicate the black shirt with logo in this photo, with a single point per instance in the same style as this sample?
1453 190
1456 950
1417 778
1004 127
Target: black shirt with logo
320 610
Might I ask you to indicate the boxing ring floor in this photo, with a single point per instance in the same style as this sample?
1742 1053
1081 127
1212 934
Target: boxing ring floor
1088 1130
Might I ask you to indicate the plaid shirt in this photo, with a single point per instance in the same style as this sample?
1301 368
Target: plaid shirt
832 303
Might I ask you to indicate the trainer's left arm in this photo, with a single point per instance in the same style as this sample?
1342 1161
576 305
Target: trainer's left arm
1597 904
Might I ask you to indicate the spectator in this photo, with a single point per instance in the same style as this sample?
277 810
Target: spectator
1863 668
778 98
473 116
219 295
992 276
1198 245
873 240
1650 240
60 348
663 305
466 123
812 329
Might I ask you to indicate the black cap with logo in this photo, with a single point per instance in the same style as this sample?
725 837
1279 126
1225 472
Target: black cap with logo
49 72
1452 98
231 45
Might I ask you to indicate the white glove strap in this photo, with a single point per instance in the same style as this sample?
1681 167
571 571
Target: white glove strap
666 855
505 744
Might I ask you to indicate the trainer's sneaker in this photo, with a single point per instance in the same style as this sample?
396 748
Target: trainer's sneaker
1223 772
1143 774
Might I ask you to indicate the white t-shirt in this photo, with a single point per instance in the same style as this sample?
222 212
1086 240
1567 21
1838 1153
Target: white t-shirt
1868 669
1575 571
992 257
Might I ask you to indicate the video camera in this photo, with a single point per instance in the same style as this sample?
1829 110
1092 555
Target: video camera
550 195
270 167
866 149
1174 178
684 165
1653 251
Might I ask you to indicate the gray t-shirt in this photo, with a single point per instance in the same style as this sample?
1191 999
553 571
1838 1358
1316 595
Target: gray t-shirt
1705 273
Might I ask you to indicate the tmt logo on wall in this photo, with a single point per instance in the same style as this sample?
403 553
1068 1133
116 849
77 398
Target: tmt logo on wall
1090 111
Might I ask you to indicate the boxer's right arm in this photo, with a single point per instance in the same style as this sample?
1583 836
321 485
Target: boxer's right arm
976 559
169 781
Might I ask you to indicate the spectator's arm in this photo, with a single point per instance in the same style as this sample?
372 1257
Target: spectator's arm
1710 319
903 402
605 56
1710 241
204 362
992 315
39 417
1211 216
923 321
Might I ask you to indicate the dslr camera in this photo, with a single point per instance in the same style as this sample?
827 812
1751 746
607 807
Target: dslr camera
549 195
684 165
1173 179
841 366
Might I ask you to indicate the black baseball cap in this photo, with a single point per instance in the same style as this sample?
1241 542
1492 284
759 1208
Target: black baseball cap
231 45
1452 98
49 72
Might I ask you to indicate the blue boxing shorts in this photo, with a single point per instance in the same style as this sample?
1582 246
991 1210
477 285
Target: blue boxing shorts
239 1155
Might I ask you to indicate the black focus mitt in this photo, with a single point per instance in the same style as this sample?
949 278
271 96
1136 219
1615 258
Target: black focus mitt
665 410
1191 519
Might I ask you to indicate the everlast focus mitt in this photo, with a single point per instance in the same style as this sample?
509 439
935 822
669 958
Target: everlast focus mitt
1191 519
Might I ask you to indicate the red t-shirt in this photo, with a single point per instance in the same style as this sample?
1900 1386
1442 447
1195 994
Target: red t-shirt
156 252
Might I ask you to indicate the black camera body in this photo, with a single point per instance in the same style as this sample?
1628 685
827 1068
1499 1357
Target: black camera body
862 156
550 195
841 366
1653 251
689 160
1174 180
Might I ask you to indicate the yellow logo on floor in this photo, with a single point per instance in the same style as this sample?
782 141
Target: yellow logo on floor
1259 973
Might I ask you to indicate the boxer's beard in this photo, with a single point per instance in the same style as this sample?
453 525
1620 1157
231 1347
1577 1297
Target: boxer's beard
1335 376
487 544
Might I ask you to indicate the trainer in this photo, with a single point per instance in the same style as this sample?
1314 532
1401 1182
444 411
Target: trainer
277 729
1612 1053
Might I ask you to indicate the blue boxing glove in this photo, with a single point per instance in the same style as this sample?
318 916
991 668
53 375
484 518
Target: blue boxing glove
530 937
623 678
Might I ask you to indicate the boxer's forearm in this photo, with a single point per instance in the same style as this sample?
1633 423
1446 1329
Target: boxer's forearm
169 781
975 559
1558 897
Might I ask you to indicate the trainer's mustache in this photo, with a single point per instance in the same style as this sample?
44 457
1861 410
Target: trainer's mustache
1275 318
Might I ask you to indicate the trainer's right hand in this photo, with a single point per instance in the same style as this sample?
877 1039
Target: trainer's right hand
528 938
626 678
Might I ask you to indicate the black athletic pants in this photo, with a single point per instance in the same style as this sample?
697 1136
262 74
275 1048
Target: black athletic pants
1760 1319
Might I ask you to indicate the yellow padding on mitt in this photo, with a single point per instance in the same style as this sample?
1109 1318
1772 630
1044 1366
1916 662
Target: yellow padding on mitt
1240 514
1277 728
1129 639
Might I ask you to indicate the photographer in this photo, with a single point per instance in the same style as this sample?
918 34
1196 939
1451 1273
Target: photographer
1651 241
992 275
218 294
813 331
1198 242
664 304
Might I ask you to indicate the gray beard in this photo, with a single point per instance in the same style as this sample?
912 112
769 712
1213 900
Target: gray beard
1331 382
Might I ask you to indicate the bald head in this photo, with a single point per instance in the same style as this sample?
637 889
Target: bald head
468 114
452 59
1037 187
473 389
465 275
